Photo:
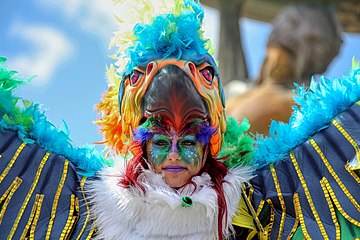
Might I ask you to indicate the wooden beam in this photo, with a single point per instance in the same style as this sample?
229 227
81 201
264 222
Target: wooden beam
347 11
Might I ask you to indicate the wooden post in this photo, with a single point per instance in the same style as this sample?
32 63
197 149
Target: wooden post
232 64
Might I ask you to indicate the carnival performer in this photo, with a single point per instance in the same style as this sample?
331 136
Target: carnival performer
175 167
171 111
163 120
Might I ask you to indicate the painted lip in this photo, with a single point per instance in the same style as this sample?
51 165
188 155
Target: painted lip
174 168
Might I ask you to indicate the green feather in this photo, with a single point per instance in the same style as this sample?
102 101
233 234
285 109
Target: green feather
8 78
11 113
238 145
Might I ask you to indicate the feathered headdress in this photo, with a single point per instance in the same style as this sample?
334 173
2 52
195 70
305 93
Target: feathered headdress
162 30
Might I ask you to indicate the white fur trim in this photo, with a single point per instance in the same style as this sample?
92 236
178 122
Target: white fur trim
158 214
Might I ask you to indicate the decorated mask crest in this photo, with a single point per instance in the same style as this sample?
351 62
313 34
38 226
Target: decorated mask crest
169 73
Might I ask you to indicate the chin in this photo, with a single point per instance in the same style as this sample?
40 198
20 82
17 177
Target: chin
175 183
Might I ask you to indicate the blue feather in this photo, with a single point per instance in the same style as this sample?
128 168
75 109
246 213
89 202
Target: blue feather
173 35
33 127
318 105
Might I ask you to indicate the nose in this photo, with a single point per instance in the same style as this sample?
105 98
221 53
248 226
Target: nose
174 153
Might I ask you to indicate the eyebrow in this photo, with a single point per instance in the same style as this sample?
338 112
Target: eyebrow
160 129
195 126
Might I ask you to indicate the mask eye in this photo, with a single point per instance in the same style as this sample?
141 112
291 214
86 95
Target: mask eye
134 77
208 74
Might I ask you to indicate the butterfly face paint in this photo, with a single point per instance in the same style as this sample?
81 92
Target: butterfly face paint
179 156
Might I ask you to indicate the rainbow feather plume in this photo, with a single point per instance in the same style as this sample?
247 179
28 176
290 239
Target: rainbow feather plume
173 35
148 30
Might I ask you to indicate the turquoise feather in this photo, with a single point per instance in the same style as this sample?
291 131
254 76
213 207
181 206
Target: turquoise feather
33 127
175 35
318 105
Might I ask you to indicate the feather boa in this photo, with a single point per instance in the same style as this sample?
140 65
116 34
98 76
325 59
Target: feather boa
158 213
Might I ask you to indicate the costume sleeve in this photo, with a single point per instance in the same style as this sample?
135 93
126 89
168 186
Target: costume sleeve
313 192
42 175
41 194
250 223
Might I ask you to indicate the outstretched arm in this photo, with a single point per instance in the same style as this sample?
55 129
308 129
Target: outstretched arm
307 179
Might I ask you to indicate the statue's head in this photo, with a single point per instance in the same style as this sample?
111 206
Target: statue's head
304 39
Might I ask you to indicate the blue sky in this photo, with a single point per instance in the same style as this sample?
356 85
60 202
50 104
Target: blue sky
65 44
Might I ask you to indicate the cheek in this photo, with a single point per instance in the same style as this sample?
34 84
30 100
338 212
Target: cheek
156 155
192 156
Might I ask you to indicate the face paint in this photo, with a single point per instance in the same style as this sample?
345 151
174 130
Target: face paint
190 150
158 148
178 157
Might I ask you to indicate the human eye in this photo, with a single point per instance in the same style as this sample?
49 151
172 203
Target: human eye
188 143
161 143
160 140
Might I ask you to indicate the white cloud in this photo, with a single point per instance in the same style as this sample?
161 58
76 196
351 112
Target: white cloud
93 16
97 17
49 48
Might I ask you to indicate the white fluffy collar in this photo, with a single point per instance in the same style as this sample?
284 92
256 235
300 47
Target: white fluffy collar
158 213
